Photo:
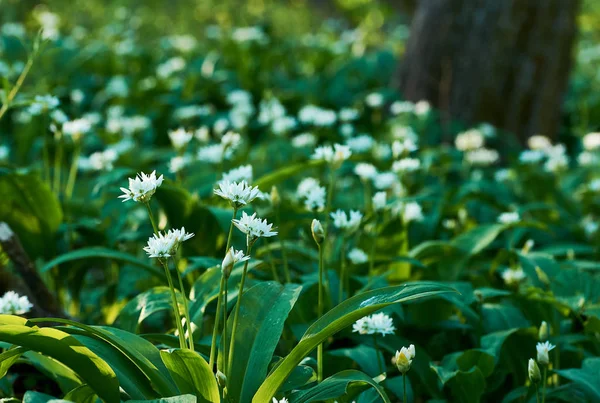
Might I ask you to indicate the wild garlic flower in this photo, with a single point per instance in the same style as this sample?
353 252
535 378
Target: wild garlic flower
315 198
406 165
379 201
365 171
399 107
469 140
385 180
360 144
400 147
180 138
334 155
422 108
509 217
213 154
304 140
346 222
403 358
534 371
591 141
376 323
76 128
374 100
482 157
231 140
411 211
254 227
357 256
160 245
283 400
238 193
231 258
543 332
242 173
177 163
179 235
142 187
12 303
43 103
307 185
515 276
539 142
542 352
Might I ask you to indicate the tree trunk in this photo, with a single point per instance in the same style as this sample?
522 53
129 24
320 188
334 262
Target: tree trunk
505 62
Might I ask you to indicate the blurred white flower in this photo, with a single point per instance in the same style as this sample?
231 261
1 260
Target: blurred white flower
142 187
469 140
365 171
400 147
12 303
283 125
557 158
513 276
311 114
202 134
543 350
374 100
357 256
482 157
270 110
43 103
382 152
334 155
76 128
4 152
591 141
376 323
360 144
249 34
509 217
238 193
422 108
306 185
241 173
539 142
315 199
348 114
531 156
177 163
411 211
213 153
587 158
231 140
170 67
304 140
180 138
349 222
379 201
98 161
406 165
385 180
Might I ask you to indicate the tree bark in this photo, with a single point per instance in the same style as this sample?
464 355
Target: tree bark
505 62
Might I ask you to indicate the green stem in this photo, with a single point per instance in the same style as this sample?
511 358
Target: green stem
379 365
186 307
404 388
342 270
537 392
237 309
72 172
154 227
225 346
15 89
319 314
57 163
272 264
213 344
286 267
367 196
545 381
175 306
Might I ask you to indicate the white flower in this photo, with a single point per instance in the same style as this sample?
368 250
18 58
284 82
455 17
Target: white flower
160 245
304 140
509 217
385 180
346 130
213 153
399 107
202 134
99 161
238 193
142 187
482 157
283 125
590 227
422 108
531 156
239 97
542 352
220 125
254 227
406 165
311 114
557 158
511 277
5 232
469 140
170 67
242 173
43 103
379 201
539 142
76 128
376 323
334 155
534 371
365 171
412 211
270 110
180 138
374 100
357 256
231 140
403 358
283 400
231 258
587 158
360 144
179 235
4 152
306 185
177 163
315 198
591 141
400 147
382 152
12 303
348 114
349 223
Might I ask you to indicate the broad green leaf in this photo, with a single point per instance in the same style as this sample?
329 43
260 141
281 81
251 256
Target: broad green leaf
192 374
587 377
38 397
335 386
301 376
82 394
97 252
145 304
174 399
341 317
367 358
64 376
8 358
69 351
263 312
478 238
31 209
140 351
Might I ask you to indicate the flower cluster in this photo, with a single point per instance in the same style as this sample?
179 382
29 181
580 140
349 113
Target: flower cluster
374 324
142 187
12 303
239 194
164 245
349 223
254 227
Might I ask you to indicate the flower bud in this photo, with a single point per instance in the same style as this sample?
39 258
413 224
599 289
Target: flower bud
275 198
528 245
403 358
542 352
543 333
318 232
542 276
221 379
534 371
228 262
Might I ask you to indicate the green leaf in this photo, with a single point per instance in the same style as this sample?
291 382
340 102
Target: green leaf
143 305
69 351
8 358
64 376
281 174
339 318
336 386
586 377
81 394
102 253
31 209
174 399
478 238
192 374
263 312
37 397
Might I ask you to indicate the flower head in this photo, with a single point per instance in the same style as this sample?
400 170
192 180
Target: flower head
357 256
403 358
469 140
160 245
412 211
231 258
180 138
142 187
376 323
238 193
12 303
534 371
365 171
241 173
379 201
76 128
317 230
334 155
349 223
511 276
509 217
283 400
542 352
254 227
